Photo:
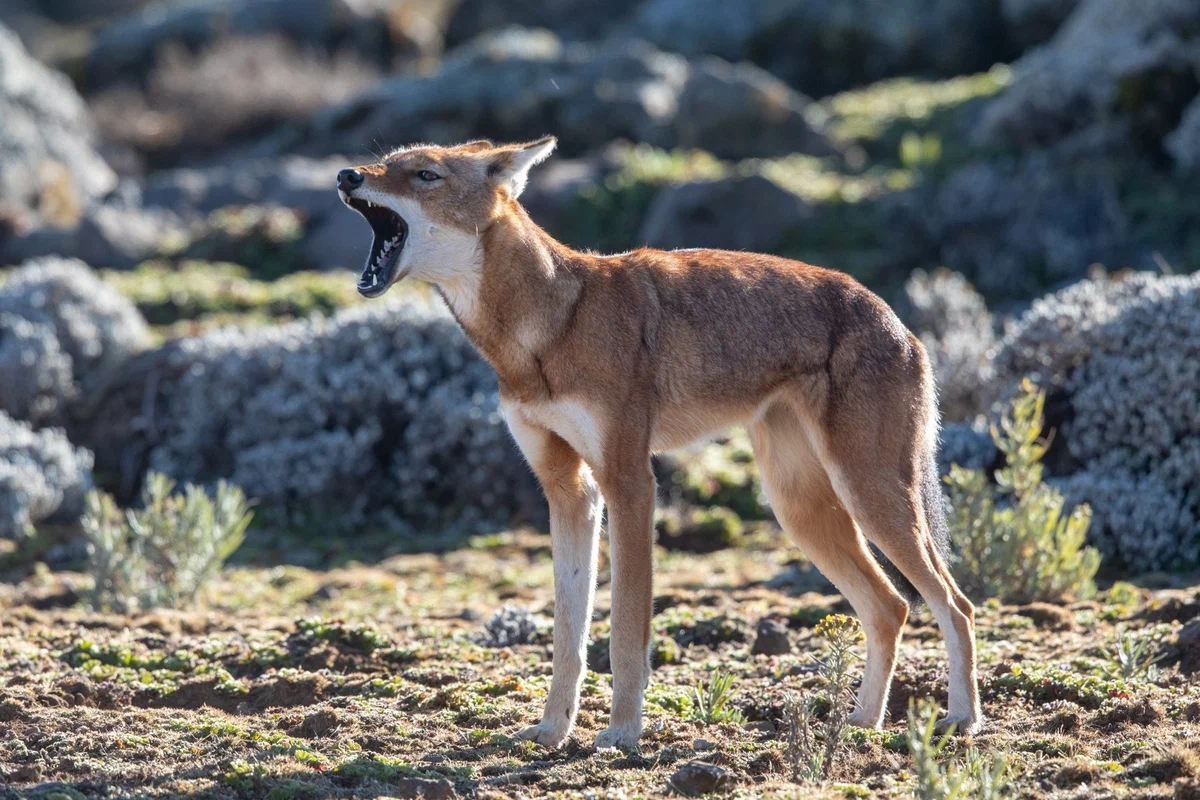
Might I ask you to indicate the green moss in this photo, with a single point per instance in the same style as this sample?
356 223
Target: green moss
265 239
344 634
168 294
1044 683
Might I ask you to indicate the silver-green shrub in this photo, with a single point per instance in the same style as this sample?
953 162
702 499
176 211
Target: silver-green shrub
382 414
1123 355
958 332
60 326
43 478
164 553
1017 540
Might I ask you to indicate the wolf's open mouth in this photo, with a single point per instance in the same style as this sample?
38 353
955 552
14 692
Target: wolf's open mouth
391 232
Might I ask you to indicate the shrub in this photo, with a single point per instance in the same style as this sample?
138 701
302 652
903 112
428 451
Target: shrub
43 478
980 778
1118 357
811 744
957 330
383 414
60 327
164 553
1014 541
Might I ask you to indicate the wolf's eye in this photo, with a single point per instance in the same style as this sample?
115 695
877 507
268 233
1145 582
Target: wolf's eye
428 177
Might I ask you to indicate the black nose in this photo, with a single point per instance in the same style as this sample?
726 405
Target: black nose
349 179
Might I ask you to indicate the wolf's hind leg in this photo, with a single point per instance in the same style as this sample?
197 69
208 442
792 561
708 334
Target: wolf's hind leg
808 509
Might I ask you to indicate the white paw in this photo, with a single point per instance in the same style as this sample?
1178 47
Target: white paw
624 738
547 735
963 725
860 720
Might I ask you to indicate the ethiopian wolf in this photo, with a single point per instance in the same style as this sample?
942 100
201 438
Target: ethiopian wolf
604 360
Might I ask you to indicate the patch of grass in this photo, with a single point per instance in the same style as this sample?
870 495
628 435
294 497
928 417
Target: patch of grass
1014 541
1130 658
980 778
711 702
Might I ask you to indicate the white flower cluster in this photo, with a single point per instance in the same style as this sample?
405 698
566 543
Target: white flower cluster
43 478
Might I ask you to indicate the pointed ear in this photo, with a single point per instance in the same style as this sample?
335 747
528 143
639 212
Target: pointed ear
510 165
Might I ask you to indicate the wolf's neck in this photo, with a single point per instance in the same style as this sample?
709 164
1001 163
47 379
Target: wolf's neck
521 300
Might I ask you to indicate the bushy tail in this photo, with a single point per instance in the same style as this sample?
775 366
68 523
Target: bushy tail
934 505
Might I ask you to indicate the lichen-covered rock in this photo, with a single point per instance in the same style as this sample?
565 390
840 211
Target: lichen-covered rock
1016 227
382 413
522 84
60 326
1184 143
1031 22
958 331
125 49
740 213
511 625
821 48
1112 62
47 159
43 478
1122 355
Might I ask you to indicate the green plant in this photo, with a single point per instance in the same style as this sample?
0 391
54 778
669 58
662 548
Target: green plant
812 744
1130 659
980 778
1014 540
164 553
710 703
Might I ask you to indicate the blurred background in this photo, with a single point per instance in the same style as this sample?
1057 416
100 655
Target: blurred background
1017 177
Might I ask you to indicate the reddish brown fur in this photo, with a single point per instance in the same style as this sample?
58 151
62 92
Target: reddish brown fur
659 348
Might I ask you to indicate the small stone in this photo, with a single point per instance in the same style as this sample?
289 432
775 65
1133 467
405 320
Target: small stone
701 745
772 639
696 778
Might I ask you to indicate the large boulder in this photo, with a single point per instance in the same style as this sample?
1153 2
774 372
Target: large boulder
823 47
382 414
48 162
572 20
1032 22
1113 63
375 30
741 213
110 235
1015 227
1118 358
521 85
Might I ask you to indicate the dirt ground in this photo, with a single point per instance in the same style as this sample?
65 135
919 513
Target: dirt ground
374 680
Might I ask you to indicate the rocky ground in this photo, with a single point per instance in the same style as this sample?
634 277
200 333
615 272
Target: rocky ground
383 679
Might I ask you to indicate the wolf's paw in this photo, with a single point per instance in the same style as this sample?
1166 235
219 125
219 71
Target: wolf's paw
624 738
860 720
546 735
963 725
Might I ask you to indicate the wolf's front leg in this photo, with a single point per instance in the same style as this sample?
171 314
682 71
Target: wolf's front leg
575 511
630 535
